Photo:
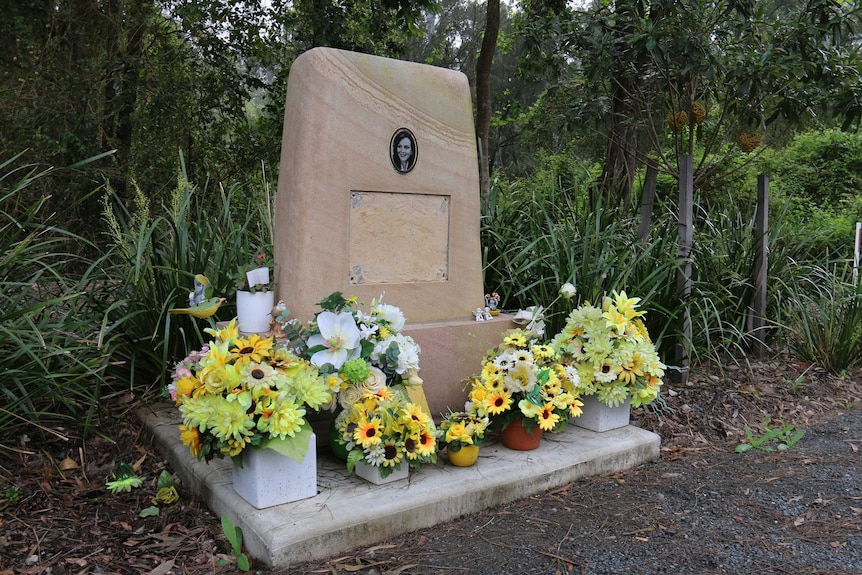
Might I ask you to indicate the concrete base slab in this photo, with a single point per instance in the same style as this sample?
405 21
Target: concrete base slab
348 512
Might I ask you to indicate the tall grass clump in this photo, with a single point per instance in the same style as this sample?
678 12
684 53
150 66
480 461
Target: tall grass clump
158 251
535 239
823 316
537 236
52 354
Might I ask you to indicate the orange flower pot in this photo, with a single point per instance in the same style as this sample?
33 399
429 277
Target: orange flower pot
515 436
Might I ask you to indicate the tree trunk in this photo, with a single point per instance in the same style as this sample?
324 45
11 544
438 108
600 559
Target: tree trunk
483 92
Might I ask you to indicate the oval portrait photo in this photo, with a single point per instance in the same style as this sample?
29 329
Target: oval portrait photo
403 151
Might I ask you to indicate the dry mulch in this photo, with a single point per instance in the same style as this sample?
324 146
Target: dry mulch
700 509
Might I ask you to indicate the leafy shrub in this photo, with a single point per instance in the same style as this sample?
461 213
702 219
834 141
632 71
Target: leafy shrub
824 316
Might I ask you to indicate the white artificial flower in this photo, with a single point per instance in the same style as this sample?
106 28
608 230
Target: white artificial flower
532 318
340 336
349 396
375 381
567 290
391 314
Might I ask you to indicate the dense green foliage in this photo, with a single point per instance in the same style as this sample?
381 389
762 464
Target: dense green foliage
53 350
819 177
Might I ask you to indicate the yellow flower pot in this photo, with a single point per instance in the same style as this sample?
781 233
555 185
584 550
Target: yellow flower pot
464 457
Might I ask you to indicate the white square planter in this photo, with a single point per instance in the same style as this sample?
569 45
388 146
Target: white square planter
269 478
371 473
597 416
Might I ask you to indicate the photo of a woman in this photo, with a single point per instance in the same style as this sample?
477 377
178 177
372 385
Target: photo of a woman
403 151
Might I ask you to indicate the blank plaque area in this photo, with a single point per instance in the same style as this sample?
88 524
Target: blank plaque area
398 238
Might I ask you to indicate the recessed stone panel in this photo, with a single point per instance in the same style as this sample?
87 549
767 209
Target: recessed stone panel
398 238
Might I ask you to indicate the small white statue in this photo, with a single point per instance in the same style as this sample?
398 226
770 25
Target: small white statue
480 314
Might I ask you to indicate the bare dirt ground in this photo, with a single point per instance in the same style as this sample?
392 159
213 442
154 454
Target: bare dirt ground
700 509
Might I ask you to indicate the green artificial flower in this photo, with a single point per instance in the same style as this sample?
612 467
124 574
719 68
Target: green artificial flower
125 479
355 370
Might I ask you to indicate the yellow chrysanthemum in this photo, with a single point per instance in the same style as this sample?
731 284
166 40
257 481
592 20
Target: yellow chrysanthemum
191 438
231 421
185 387
284 421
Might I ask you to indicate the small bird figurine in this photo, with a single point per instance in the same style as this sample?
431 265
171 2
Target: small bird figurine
201 303
203 290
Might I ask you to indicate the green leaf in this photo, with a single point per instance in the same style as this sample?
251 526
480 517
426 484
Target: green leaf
354 457
293 447
233 534
242 562
743 447
152 511
165 480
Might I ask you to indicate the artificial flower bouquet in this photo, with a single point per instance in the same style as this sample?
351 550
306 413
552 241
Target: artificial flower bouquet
384 429
460 429
358 351
523 379
245 392
611 351
369 366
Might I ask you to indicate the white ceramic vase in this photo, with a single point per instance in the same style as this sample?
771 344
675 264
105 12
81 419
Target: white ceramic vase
598 416
254 310
268 478
371 474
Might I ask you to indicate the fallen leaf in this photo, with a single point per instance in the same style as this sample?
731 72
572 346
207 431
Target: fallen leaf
76 561
137 464
163 568
798 521
68 464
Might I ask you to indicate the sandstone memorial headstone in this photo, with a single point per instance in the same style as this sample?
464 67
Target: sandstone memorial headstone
378 193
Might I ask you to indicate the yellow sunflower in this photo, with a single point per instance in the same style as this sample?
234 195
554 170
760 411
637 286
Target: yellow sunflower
367 433
251 348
